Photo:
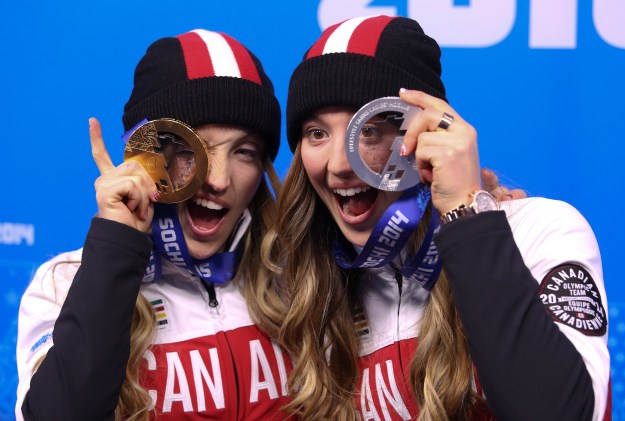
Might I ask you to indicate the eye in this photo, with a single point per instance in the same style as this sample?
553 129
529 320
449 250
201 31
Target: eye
368 131
315 134
369 134
247 153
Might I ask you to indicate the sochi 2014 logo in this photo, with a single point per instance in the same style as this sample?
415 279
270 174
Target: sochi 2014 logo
15 234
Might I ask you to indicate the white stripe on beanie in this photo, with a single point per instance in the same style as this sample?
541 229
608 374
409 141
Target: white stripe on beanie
222 57
339 40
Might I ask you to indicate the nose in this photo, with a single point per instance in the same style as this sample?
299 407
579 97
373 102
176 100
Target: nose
218 177
337 161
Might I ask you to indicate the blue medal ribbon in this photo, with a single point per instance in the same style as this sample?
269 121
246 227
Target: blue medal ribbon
154 269
127 135
390 235
170 244
425 266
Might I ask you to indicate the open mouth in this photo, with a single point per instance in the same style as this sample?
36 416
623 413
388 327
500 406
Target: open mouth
355 201
205 214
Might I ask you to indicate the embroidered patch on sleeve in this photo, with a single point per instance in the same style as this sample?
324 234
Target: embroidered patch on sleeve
571 297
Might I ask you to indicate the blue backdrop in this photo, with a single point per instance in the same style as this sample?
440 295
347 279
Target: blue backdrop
541 81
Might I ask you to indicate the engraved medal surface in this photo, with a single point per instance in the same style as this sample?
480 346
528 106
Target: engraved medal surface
373 141
173 154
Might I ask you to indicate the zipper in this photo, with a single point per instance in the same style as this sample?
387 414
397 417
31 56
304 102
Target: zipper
398 277
400 280
212 295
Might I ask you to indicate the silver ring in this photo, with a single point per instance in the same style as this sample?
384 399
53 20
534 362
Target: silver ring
446 121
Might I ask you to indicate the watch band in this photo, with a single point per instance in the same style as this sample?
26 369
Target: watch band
456 213
479 201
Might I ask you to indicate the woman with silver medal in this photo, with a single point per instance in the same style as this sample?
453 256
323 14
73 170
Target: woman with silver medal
102 337
413 294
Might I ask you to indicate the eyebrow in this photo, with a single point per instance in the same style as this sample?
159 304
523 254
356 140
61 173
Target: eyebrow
247 137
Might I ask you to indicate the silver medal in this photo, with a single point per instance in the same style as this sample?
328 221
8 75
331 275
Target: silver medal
373 141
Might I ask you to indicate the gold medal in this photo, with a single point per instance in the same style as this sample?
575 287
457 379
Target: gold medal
173 154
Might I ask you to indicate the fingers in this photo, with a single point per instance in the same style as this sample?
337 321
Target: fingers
423 100
450 166
429 119
98 149
518 194
105 164
124 197
490 183
124 193
500 193
448 158
114 194
134 171
134 167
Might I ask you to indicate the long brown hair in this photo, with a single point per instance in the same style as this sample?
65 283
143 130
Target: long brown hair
134 400
317 328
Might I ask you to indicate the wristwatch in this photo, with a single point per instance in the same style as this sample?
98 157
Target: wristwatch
481 201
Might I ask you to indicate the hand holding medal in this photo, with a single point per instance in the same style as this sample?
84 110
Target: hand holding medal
445 148
124 193
397 144
173 154
374 144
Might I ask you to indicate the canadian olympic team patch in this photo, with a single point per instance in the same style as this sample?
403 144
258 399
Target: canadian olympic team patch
571 297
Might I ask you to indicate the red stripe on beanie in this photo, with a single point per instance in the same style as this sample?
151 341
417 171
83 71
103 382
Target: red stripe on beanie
196 56
365 38
247 67
317 48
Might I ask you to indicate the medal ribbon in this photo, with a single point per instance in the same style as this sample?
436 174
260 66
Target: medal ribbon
127 135
170 244
425 266
389 236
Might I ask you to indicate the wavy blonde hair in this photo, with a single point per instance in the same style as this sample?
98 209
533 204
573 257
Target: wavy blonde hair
134 401
317 326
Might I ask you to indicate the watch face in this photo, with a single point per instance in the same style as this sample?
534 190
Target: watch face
484 201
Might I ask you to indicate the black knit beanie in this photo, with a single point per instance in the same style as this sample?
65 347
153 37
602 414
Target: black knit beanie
359 60
203 77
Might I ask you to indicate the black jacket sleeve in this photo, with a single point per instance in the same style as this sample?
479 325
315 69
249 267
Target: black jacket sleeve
528 369
82 374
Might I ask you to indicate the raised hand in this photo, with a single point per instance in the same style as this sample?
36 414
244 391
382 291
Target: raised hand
124 193
445 147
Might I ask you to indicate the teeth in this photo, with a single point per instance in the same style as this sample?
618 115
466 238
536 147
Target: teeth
351 191
208 204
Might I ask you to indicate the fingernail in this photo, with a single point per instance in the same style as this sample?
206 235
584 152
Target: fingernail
156 196
402 150
402 90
